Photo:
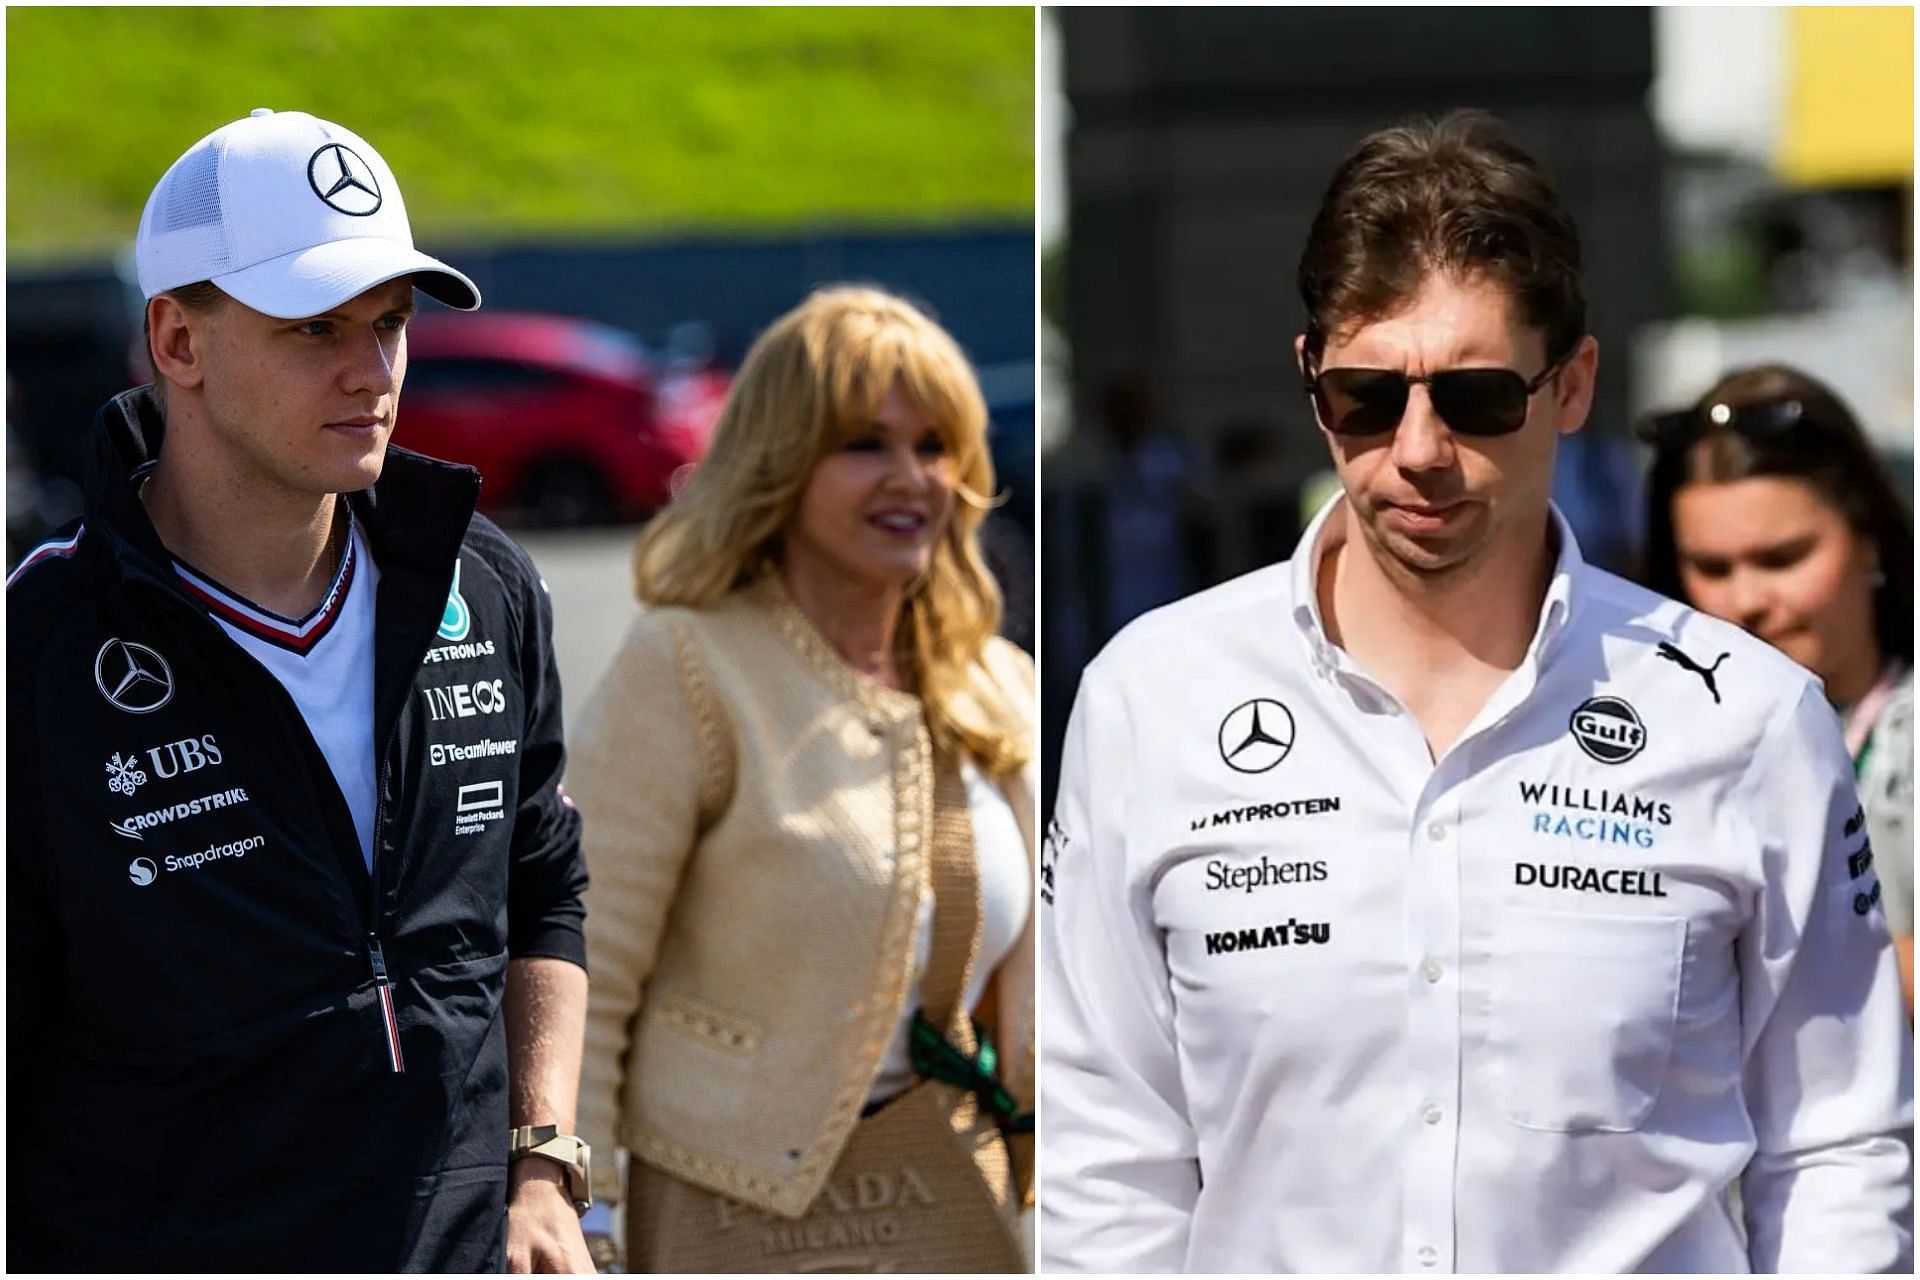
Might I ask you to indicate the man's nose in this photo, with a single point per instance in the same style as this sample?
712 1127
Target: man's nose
371 362
1423 441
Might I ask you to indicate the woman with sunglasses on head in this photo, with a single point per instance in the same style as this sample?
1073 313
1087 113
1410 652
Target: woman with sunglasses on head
1767 507
807 788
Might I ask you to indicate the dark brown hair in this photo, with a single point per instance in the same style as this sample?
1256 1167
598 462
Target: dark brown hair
1454 195
1824 447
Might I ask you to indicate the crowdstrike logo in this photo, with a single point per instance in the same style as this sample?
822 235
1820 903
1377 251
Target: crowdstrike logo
132 677
1256 735
131 827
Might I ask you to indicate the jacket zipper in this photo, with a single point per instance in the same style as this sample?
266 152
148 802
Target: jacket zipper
384 989
376 957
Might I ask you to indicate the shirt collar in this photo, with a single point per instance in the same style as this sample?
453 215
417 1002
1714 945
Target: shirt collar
1324 534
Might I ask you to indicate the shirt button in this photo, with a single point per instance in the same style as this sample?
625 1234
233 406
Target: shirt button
1431 1114
1428 1255
1436 831
1431 970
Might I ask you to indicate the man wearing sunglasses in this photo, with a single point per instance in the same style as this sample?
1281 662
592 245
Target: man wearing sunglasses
1434 901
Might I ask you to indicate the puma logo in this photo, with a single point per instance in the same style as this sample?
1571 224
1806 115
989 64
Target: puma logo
1675 656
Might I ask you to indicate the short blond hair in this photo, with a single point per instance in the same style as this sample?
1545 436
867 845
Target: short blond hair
817 374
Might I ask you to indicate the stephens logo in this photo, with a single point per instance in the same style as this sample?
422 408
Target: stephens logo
1256 735
1608 729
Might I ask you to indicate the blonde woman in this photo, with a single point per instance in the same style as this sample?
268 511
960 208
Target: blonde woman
806 783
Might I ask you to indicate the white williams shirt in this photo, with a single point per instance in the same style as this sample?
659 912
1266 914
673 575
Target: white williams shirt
1316 1002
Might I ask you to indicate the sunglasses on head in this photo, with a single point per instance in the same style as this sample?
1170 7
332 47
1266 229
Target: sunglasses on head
1472 402
1766 420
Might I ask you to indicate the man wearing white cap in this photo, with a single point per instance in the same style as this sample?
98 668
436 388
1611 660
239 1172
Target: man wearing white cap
295 977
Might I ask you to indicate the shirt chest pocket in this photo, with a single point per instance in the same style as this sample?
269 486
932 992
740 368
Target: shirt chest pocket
1583 1015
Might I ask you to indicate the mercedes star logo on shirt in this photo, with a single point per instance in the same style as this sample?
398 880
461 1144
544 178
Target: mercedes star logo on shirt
132 677
1256 735
345 181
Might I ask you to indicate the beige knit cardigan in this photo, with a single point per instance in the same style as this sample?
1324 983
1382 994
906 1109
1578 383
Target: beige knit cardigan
755 820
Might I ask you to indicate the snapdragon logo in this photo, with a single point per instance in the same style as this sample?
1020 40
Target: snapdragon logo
213 853
141 871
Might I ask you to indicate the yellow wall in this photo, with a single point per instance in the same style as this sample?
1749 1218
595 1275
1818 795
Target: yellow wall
1849 110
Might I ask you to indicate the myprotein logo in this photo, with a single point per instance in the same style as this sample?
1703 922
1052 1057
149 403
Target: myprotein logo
463 701
455 752
1608 729
132 827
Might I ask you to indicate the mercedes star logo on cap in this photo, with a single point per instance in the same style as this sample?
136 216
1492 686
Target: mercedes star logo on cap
340 177
1256 735
132 677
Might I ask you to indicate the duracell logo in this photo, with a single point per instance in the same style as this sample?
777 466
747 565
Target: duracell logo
1632 882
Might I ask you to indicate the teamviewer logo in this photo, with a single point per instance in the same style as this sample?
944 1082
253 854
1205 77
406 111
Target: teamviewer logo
479 795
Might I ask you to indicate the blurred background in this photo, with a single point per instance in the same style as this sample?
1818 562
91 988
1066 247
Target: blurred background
636 192
1742 180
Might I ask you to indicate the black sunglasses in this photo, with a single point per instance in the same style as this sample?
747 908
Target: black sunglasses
1473 402
1766 420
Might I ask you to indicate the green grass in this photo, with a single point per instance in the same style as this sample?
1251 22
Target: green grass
542 121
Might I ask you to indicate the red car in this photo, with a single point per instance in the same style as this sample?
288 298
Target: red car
568 420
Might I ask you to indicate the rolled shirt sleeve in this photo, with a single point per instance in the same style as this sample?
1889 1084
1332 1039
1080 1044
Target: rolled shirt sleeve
1120 1171
1828 1072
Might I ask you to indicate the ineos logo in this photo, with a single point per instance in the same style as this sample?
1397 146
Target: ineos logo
142 871
1608 729
460 701
1256 735
132 677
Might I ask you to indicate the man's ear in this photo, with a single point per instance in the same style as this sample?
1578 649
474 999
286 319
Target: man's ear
176 341
1576 384
1300 353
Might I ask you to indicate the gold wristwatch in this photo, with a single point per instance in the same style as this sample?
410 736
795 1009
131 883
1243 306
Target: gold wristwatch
547 1142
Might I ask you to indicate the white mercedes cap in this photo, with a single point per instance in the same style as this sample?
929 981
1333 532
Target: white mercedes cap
290 214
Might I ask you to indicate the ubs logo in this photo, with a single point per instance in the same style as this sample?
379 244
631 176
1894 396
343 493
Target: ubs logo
1256 735
1608 729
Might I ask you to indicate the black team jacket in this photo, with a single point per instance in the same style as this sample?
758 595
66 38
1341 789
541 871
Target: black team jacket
229 1048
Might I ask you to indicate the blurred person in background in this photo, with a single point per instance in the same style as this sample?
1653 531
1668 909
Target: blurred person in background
1768 507
1408 905
296 983
807 781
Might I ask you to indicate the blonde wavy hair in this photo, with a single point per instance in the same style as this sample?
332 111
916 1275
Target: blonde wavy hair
815 377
